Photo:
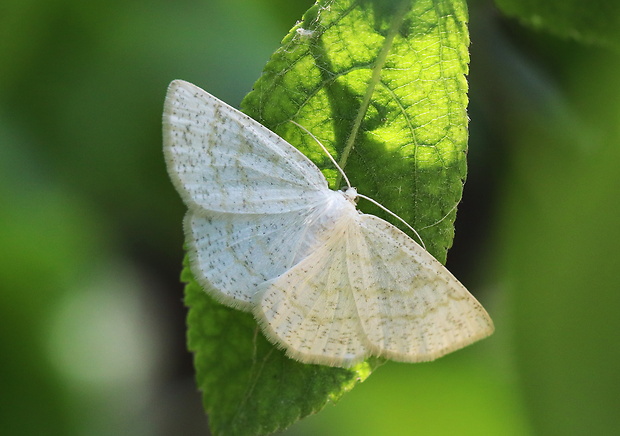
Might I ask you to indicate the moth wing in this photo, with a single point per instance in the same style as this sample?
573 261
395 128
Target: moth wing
221 160
411 307
232 254
369 289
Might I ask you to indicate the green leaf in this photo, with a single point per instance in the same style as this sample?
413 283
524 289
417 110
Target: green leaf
249 386
382 85
595 21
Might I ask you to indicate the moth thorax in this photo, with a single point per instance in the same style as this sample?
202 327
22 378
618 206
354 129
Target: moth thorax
350 194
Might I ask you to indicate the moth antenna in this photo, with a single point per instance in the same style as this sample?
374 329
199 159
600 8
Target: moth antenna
395 216
440 220
344 176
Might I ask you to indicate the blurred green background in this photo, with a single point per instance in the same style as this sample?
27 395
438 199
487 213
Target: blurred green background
91 318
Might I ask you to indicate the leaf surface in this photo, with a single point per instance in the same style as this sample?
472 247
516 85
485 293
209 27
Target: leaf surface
594 21
382 85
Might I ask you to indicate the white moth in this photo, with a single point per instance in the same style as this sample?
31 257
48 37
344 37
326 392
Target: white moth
327 283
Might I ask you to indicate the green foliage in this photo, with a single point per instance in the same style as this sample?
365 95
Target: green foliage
251 387
595 21
384 90
382 85
83 188
559 253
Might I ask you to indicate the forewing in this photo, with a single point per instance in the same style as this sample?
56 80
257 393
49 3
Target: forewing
310 310
411 307
222 160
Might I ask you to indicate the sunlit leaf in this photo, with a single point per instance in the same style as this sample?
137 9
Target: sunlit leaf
382 85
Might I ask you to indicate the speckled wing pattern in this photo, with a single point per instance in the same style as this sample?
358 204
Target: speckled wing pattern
265 234
248 193
381 294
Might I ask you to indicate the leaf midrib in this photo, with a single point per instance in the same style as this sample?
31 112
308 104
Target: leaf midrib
372 83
